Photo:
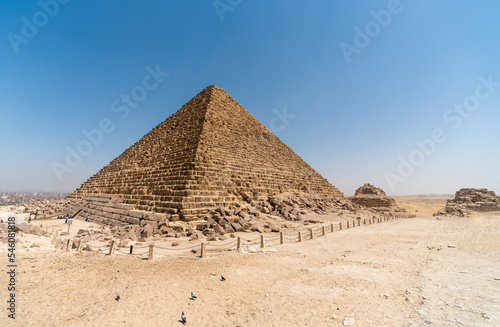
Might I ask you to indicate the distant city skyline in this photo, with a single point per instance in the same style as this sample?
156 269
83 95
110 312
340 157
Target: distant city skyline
404 95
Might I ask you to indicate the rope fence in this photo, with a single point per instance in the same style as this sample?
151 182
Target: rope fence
235 244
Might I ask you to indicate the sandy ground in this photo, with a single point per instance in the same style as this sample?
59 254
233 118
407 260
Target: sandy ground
424 203
398 273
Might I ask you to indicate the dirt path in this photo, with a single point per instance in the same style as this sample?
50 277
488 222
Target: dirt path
399 273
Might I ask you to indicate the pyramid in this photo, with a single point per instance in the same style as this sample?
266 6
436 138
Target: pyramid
209 153
374 198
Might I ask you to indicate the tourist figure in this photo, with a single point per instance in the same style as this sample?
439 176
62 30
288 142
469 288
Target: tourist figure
29 219
87 219
66 220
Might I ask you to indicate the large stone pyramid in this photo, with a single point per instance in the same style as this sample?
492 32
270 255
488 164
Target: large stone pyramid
210 152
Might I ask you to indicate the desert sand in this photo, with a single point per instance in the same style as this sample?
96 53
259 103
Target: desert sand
406 272
423 203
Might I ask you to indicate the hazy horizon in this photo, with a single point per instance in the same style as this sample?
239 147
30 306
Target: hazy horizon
404 95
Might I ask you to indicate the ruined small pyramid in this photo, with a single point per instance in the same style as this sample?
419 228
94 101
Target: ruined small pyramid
210 152
374 198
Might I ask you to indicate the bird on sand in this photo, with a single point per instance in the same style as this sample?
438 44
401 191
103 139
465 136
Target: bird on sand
194 297
117 297
222 278
183 317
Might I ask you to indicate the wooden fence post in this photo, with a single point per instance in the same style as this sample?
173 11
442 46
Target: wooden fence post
69 244
323 230
331 227
300 236
150 254
80 244
111 248
353 223
311 233
238 244
347 224
282 238
203 250
262 241
340 225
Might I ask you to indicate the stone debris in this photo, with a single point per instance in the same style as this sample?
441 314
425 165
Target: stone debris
44 208
348 321
469 200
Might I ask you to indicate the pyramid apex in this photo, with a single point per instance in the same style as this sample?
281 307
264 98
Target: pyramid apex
213 87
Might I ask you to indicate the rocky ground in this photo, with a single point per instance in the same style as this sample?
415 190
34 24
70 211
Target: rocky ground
288 213
440 271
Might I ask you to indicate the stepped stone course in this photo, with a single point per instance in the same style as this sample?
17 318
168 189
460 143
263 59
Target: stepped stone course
374 198
211 152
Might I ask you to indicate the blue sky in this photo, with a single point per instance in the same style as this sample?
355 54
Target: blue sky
357 115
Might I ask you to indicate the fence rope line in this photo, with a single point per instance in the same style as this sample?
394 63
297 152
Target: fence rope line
127 253
306 233
251 240
176 248
224 244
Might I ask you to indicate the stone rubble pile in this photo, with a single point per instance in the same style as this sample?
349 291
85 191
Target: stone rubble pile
469 200
22 228
255 214
44 208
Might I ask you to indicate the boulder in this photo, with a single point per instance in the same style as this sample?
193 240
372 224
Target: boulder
22 227
203 226
237 227
219 230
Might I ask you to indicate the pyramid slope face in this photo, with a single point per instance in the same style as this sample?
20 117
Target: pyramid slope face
208 153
